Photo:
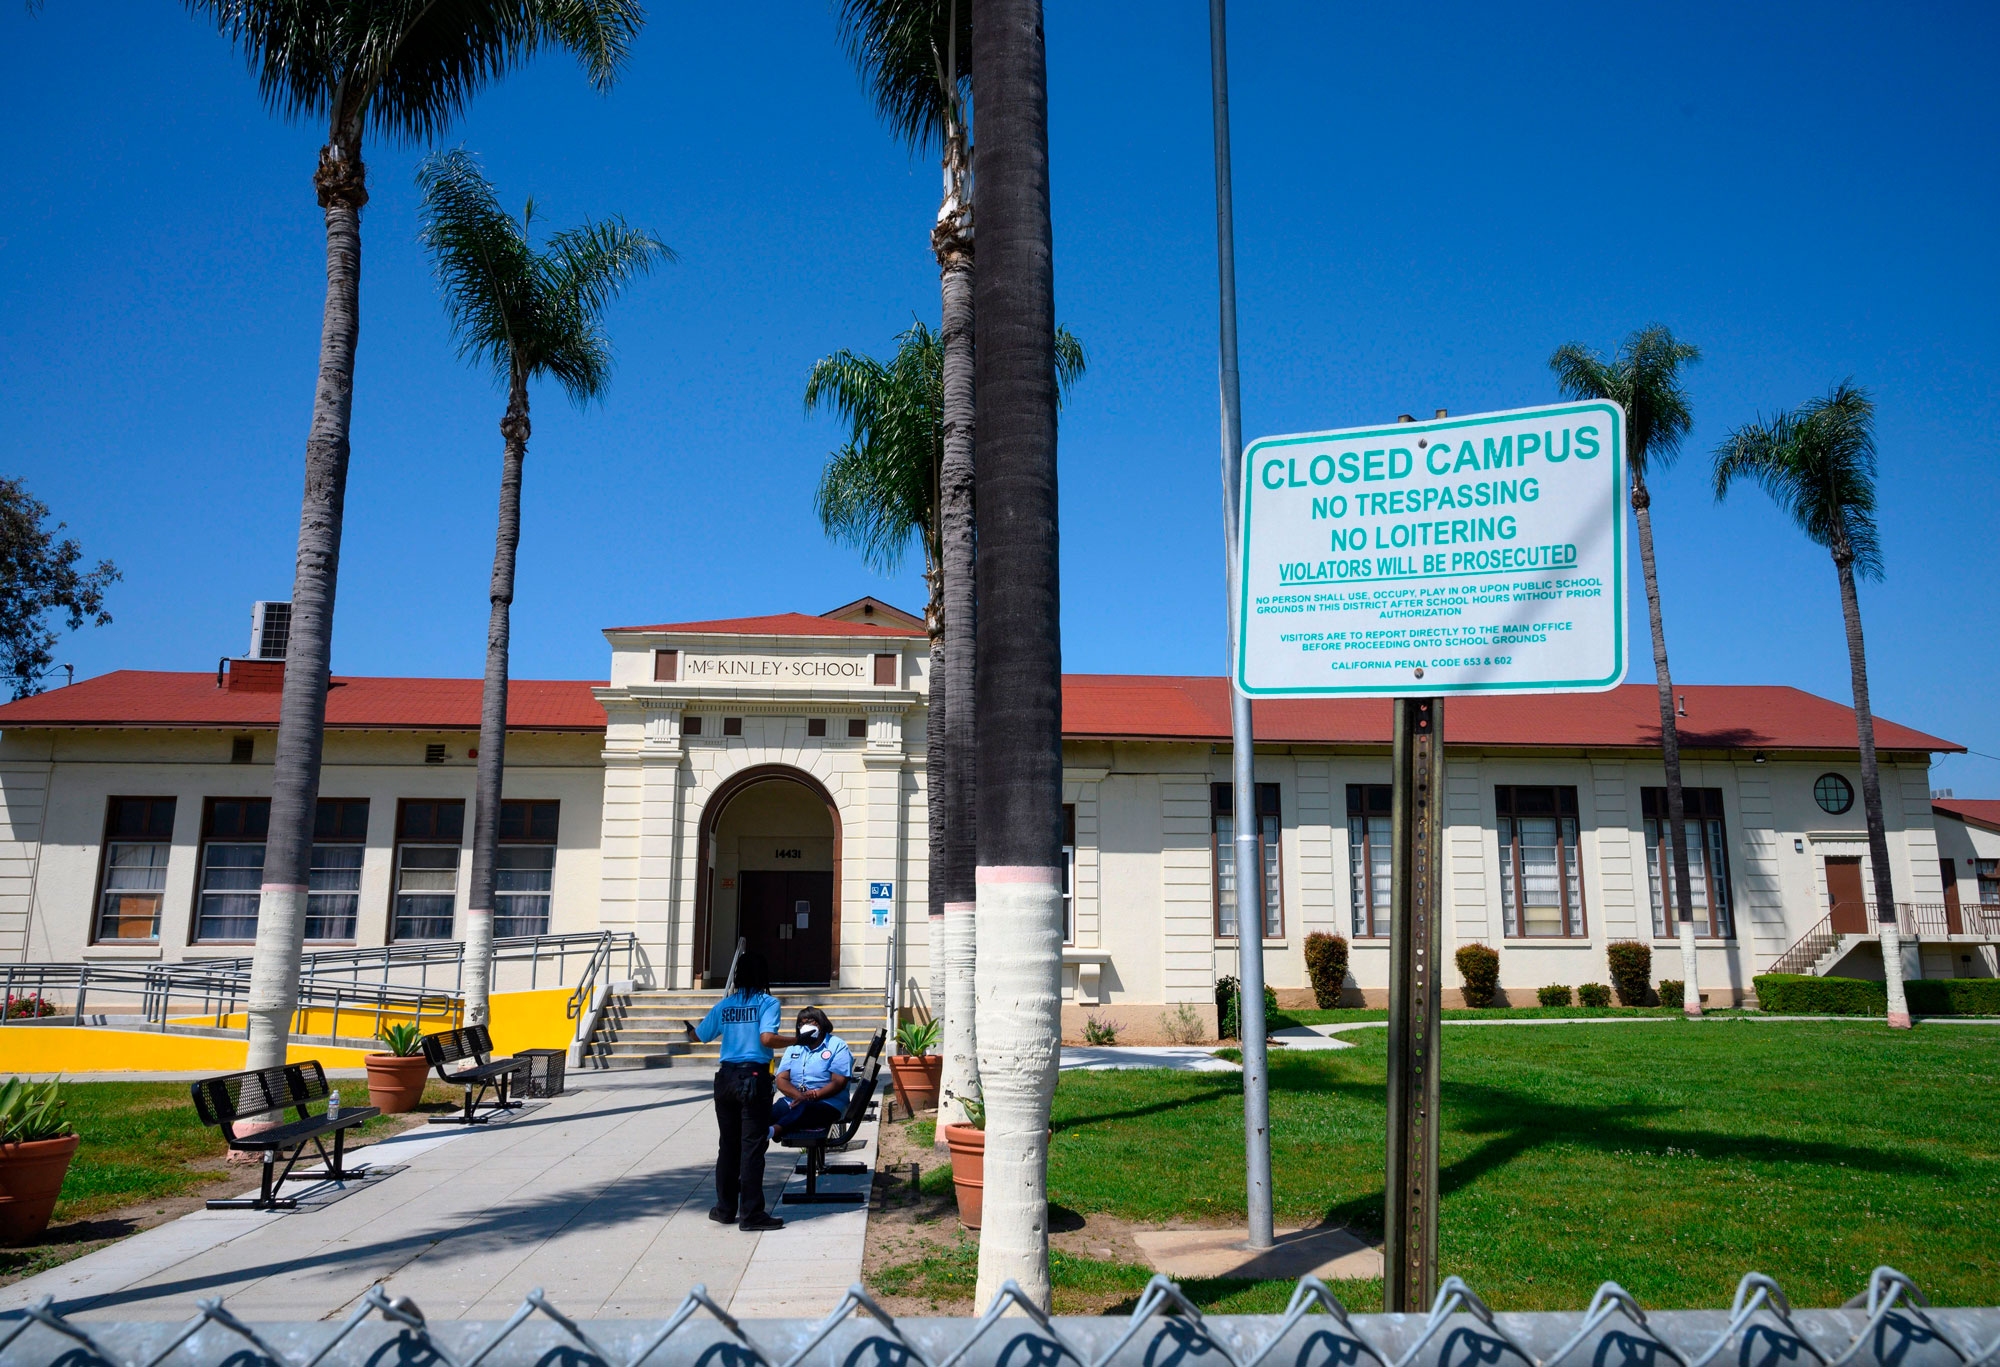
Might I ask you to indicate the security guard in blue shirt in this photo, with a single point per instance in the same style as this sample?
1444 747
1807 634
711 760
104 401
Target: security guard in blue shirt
812 1077
747 1020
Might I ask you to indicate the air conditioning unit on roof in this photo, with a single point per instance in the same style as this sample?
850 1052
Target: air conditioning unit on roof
270 630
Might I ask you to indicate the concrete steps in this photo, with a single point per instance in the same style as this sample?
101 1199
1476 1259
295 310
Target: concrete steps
643 1029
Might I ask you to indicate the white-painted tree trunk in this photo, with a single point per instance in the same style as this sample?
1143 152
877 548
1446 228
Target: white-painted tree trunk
1020 925
274 974
1892 975
960 1078
1691 992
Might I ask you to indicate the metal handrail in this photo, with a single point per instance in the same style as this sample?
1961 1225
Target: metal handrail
425 954
1918 920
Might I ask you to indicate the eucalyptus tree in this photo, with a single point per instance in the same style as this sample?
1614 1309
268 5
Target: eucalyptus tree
1817 462
1019 647
878 492
916 57
406 69
523 312
1644 378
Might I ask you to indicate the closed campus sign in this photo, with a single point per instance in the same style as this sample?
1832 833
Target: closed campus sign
1483 554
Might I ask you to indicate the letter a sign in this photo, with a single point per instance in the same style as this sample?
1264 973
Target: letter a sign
1483 554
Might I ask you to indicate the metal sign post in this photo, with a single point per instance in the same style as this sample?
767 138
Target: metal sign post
1416 943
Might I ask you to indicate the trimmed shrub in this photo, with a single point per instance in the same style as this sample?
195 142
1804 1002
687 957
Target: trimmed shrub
1631 971
1953 996
1593 994
1801 994
1555 994
1673 992
1326 965
1228 995
1479 965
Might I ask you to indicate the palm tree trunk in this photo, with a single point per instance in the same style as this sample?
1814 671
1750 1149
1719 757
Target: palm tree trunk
1871 798
934 812
1670 746
952 240
493 710
274 965
1019 648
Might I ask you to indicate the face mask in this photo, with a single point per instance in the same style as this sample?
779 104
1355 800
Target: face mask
809 1036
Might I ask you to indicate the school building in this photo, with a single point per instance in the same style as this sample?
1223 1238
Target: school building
761 778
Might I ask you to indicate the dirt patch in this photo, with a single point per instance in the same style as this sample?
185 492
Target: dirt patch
71 1239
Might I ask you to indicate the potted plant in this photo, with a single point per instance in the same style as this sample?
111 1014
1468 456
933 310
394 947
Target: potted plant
396 1078
36 1144
915 1066
967 1143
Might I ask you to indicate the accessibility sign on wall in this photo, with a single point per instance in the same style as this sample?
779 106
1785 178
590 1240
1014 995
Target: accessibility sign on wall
1483 554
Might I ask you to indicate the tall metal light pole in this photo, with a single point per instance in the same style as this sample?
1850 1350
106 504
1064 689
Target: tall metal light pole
1249 860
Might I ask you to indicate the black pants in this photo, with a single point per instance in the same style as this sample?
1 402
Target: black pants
743 1125
789 1115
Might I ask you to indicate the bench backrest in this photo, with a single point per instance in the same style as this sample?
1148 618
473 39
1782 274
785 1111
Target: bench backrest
227 1099
473 1042
863 1090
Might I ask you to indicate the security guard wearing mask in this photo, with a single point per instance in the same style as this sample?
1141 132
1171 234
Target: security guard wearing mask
747 1021
812 1077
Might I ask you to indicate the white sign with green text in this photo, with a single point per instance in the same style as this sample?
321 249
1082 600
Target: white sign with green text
1482 554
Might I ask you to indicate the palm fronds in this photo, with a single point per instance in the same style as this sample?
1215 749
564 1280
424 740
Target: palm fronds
514 307
916 58
1644 379
408 67
881 488
1817 462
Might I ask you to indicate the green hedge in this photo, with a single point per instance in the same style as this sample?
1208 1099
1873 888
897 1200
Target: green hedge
1793 994
1326 965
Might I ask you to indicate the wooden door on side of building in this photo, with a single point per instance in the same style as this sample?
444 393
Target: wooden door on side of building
1844 896
787 915
1954 922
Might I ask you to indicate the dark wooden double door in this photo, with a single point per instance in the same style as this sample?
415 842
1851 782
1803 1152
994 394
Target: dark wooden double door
787 915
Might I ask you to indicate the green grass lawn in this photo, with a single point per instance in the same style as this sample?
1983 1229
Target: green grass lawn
1669 1158
142 1142
1348 1015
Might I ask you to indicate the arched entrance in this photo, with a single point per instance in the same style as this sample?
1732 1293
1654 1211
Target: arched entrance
770 849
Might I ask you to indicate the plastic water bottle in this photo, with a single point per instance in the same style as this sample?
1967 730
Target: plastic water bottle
333 1105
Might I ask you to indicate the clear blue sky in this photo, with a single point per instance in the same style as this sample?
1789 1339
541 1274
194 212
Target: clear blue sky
1429 200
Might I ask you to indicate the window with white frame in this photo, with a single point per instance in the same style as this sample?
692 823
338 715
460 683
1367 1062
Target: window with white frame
138 836
429 834
1222 798
524 868
1989 881
1541 884
1708 861
1369 809
340 840
232 868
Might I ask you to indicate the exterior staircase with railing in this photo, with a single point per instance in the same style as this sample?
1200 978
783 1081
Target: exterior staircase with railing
642 1029
1824 948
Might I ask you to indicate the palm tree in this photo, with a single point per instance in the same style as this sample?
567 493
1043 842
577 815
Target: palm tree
1644 379
877 493
524 313
1019 646
1817 463
916 56
406 67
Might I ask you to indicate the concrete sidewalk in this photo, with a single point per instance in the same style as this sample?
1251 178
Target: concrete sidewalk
600 1198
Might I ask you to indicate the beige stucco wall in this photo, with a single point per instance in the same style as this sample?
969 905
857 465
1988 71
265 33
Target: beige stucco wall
58 784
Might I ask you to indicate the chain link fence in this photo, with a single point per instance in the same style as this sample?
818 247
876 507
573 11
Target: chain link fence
1891 1324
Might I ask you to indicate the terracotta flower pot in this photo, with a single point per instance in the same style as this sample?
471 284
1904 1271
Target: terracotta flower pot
968 1171
31 1175
396 1082
917 1079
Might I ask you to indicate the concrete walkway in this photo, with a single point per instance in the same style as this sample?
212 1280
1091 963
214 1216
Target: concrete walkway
600 1197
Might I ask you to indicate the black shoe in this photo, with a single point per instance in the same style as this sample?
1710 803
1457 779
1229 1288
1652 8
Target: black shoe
757 1224
717 1214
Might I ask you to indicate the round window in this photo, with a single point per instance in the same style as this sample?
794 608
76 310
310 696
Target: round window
1833 793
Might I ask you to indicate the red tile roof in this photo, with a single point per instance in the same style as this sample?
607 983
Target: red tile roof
1980 811
782 624
137 697
1122 706
1718 717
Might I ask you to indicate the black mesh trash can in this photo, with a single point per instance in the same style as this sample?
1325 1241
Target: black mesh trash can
545 1072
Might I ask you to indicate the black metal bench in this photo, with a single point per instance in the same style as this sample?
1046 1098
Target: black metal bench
816 1144
473 1042
234 1098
